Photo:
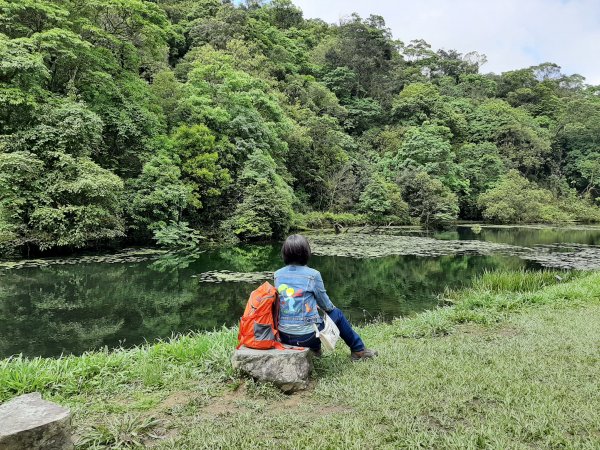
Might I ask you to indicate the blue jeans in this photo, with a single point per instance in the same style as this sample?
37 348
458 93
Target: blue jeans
350 337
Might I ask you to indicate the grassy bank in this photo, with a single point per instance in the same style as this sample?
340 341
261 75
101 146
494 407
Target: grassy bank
512 362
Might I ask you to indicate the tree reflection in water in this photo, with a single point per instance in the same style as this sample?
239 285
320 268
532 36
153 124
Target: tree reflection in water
73 308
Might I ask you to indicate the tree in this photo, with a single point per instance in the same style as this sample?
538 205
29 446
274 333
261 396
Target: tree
167 89
284 14
158 196
22 75
382 202
199 152
476 86
367 49
265 211
417 103
227 24
421 102
427 148
64 126
453 64
363 114
66 201
318 151
521 141
482 166
429 200
577 142
590 170
343 82
53 194
347 184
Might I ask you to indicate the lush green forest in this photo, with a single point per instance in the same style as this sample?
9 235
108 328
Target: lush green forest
132 121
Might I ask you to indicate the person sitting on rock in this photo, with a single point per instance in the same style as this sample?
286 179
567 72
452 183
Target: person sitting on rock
301 289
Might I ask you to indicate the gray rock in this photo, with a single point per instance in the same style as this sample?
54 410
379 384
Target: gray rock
30 423
287 369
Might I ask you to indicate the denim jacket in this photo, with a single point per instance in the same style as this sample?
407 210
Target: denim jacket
300 290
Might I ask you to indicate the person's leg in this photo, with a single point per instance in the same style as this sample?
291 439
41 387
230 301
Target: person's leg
350 337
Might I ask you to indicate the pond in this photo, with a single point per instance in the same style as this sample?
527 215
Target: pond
50 307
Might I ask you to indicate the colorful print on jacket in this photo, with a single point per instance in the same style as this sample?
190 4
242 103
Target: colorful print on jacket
300 290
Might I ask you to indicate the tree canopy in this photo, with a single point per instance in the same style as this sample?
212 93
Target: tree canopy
136 120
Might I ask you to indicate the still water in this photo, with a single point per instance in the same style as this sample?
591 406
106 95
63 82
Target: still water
60 308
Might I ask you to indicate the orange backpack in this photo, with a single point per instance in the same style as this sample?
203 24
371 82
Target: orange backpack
258 326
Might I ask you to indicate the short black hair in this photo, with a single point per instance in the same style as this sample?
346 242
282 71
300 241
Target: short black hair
295 250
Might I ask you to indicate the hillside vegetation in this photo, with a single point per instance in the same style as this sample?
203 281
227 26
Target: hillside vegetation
132 121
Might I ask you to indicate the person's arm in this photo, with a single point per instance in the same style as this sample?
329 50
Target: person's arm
321 295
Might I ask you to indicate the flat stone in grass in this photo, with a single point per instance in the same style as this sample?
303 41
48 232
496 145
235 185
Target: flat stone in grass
287 369
28 422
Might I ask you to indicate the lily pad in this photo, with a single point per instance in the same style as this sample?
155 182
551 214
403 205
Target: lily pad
134 255
361 245
222 276
566 256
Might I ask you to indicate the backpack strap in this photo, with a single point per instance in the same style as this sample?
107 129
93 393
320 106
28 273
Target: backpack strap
276 307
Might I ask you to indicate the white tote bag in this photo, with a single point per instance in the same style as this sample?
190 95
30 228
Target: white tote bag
330 334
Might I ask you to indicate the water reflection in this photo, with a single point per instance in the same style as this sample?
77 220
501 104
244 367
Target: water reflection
526 237
73 308
400 285
77 307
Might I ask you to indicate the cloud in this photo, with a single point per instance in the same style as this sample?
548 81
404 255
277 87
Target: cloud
512 33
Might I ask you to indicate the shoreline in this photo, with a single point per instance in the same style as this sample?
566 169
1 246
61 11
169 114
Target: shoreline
7 262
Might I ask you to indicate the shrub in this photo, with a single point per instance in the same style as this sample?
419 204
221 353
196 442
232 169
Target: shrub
514 199
580 209
177 235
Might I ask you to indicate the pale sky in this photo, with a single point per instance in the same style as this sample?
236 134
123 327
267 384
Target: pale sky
513 34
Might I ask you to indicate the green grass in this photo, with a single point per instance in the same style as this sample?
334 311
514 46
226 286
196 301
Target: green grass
168 363
495 295
514 363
